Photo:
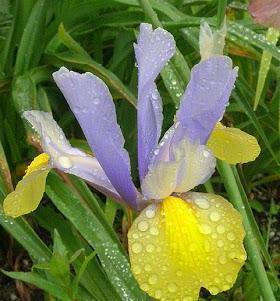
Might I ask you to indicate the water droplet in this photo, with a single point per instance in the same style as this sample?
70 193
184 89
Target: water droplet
221 229
206 154
135 236
154 96
202 203
222 260
172 287
150 248
154 231
215 216
231 236
136 248
158 294
220 243
205 229
147 268
143 226
153 279
136 269
150 213
65 162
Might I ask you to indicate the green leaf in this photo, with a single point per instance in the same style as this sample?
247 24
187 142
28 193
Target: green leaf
35 279
32 41
112 259
272 37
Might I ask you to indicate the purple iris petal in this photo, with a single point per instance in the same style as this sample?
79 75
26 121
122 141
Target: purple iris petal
91 102
153 50
205 99
65 157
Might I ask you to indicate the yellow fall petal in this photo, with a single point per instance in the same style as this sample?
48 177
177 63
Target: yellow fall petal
29 191
233 145
178 246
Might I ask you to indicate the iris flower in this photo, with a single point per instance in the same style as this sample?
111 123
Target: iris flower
181 240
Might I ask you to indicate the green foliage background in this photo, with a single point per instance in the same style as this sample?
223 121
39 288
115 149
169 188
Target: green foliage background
77 238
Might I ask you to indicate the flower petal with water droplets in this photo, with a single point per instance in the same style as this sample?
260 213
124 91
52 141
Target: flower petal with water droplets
233 145
153 50
65 157
29 191
191 164
178 246
91 102
205 98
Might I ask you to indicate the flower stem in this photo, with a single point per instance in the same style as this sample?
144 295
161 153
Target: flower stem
251 242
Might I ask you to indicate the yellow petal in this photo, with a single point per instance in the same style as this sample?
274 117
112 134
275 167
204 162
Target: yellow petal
233 145
29 191
178 246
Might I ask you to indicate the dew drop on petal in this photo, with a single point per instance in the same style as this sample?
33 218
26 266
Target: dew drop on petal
150 213
150 248
65 162
136 248
215 216
221 229
230 236
172 287
153 279
205 229
222 260
158 294
202 203
154 231
143 226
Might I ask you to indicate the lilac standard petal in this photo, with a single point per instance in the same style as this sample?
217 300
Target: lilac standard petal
91 102
190 165
153 50
65 157
206 97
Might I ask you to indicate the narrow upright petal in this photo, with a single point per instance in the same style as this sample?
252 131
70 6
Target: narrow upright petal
65 157
211 43
91 102
233 145
206 97
178 246
191 164
29 191
153 50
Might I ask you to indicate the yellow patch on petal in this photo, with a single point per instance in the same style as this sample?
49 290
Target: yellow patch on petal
233 145
178 246
29 191
41 160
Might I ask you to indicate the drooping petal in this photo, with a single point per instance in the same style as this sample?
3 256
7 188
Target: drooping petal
233 145
206 97
178 246
29 191
65 157
91 102
191 164
153 50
